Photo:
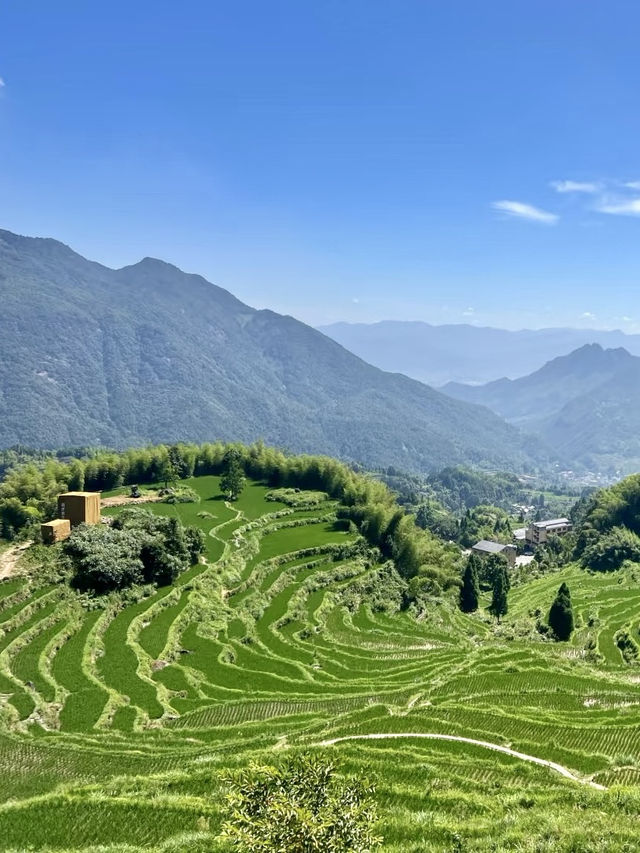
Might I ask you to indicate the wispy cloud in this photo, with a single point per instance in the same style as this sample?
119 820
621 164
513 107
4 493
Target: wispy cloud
520 210
587 315
619 206
1 83
632 185
575 187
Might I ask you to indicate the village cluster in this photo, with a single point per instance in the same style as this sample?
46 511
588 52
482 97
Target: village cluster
528 538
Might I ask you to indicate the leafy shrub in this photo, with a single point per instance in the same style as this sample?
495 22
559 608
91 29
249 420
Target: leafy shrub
183 495
139 547
296 497
300 806
627 645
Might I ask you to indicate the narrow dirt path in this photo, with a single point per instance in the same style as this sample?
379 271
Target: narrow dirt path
9 558
496 747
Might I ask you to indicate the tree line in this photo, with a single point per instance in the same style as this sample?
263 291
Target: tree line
28 495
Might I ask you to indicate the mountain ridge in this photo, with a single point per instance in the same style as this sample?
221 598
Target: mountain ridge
438 354
586 405
91 355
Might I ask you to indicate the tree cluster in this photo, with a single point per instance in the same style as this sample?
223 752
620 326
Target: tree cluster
139 547
609 532
420 558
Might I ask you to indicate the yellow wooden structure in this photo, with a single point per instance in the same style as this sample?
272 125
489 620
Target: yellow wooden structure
79 507
55 531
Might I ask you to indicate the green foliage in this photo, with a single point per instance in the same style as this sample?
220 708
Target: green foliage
139 547
459 488
432 516
300 806
485 522
469 593
104 558
489 567
182 495
499 602
561 614
627 645
610 550
232 479
28 493
296 497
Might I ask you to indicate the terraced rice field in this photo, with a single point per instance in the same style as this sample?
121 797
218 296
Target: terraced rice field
116 723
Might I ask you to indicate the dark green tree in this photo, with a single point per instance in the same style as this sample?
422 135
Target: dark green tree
561 614
499 604
470 591
232 479
171 468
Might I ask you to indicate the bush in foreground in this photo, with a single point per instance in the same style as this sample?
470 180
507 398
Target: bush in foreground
301 806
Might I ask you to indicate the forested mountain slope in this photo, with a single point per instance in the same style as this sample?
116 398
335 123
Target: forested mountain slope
585 405
91 355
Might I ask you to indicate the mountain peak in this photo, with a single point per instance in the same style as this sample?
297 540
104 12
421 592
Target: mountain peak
592 356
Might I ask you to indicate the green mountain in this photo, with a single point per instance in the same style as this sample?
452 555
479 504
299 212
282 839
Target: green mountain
91 355
585 406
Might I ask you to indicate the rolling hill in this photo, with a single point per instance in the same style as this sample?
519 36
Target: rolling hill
585 405
465 353
91 355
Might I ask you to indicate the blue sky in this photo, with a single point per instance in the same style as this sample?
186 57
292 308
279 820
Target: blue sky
444 160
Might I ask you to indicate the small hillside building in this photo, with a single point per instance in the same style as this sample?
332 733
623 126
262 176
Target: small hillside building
79 507
55 531
485 547
539 531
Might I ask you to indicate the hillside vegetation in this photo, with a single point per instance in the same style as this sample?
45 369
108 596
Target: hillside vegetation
585 405
95 356
123 714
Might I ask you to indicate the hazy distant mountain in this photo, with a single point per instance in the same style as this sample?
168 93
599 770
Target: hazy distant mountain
533 399
148 353
585 405
463 353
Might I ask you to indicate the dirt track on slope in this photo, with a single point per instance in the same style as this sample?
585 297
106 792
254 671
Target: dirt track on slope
543 762
9 559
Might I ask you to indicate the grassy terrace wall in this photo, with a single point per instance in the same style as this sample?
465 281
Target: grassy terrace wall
117 723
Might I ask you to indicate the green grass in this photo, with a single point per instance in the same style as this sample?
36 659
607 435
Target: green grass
284 662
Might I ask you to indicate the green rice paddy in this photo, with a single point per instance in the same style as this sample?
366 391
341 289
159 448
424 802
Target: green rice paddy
117 724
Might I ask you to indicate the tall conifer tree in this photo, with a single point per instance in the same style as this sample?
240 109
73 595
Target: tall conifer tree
499 604
561 614
469 592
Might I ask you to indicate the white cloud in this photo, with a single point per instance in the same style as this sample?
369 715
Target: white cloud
2 83
575 187
620 206
355 300
587 315
520 210
632 185
468 312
